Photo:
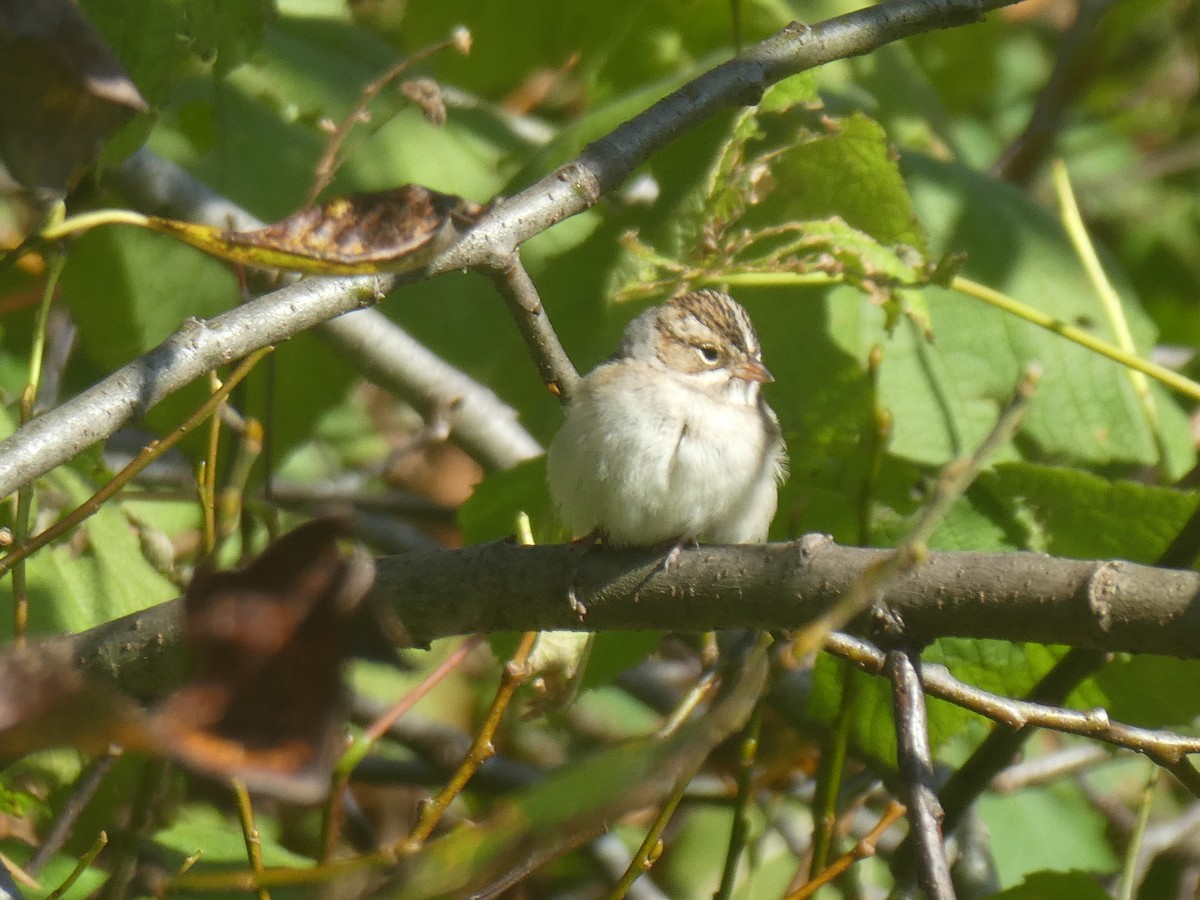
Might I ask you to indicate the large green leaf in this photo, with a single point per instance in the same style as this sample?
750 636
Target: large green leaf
945 395
1077 514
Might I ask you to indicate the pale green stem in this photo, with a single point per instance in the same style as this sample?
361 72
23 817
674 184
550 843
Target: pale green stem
1126 889
1109 300
89 220
80 867
24 518
1161 374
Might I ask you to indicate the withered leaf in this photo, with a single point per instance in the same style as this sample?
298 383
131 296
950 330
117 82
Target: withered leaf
46 702
361 234
64 93
267 699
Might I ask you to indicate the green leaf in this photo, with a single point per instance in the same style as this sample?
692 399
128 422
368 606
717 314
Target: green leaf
945 396
200 827
849 172
1072 885
225 32
150 37
56 871
1081 515
601 51
1149 691
491 511
128 290
1052 828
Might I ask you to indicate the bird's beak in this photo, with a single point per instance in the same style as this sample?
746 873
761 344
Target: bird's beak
753 370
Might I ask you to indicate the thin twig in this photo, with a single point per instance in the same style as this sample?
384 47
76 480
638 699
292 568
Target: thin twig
64 823
875 438
1166 748
516 672
123 863
915 763
863 849
952 483
328 165
1130 868
152 451
28 399
1000 746
691 700
206 483
250 833
608 851
651 847
82 866
362 745
740 826
231 500
1022 158
1049 767
829 777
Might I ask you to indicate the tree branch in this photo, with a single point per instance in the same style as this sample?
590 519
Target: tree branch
915 762
480 422
502 586
521 296
491 244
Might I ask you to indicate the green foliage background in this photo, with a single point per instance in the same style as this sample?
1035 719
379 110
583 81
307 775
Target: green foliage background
826 209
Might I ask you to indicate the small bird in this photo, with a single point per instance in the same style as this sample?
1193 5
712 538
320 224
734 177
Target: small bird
670 439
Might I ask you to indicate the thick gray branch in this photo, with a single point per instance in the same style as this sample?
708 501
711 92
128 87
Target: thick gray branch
197 347
492 244
506 587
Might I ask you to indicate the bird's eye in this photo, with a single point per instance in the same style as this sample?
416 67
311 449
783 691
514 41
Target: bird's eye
710 353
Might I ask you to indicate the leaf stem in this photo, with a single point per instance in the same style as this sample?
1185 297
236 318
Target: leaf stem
89 220
80 867
1001 301
1109 300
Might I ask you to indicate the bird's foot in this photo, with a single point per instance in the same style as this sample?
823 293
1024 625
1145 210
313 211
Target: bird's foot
672 550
